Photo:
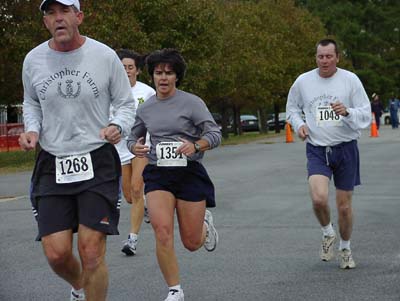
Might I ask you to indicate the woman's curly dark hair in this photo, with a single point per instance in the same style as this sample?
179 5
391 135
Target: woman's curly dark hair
169 56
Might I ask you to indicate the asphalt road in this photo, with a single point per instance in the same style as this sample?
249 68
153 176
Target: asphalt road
269 238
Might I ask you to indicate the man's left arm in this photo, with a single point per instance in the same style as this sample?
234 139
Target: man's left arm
358 113
121 98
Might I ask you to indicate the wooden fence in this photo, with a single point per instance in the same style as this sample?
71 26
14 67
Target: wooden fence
9 134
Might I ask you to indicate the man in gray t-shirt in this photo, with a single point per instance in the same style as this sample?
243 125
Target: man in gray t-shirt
70 82
336 109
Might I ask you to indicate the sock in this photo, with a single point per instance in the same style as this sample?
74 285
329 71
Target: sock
175 287
328 230
133 236
344 244
78 292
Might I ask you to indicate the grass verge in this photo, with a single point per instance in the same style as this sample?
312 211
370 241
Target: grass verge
16 161
248 137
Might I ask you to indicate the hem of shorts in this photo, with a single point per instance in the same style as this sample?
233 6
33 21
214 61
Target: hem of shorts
110 230
127 162
347 189
318 174
106 232
39 236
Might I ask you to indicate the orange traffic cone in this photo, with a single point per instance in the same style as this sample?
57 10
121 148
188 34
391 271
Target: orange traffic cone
289 137
374 129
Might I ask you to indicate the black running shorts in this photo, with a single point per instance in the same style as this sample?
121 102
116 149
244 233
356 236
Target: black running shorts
94 203
190 183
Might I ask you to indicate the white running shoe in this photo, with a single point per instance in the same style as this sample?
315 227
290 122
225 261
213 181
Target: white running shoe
129 247
146 216
175 295
77 296
327 247
212 235
346 259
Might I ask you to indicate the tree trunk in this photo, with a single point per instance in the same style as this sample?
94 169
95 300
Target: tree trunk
276 113
262 120
237 126
224 121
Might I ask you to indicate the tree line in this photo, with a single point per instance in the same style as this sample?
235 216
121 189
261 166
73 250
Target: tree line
242 56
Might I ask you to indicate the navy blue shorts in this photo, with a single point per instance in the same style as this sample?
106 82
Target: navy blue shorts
342 161
190 183
94 203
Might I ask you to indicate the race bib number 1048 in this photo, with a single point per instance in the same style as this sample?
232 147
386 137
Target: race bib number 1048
74 168
326 116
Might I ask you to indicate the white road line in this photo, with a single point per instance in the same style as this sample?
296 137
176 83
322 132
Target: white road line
9 199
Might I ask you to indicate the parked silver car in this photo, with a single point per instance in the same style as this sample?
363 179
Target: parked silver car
282 122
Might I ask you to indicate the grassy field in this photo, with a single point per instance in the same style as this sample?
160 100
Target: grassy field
16 161
248 137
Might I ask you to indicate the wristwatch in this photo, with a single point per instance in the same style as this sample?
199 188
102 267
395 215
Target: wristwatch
196 147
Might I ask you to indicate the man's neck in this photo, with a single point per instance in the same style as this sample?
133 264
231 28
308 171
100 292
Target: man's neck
69 46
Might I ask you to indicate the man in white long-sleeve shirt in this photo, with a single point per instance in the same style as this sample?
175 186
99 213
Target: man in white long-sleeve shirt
336 108
70 82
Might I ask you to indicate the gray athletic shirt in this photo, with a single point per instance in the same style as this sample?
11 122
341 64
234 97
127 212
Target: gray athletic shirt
182 115
67 96
310 91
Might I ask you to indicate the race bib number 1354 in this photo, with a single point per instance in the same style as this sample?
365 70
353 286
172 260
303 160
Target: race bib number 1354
167 156
74 168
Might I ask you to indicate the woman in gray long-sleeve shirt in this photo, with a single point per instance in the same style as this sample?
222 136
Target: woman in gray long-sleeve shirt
181 130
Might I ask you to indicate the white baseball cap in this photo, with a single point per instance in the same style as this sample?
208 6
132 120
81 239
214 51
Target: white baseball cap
45 3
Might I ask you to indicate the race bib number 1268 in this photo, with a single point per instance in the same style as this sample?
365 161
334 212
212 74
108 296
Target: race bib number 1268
74 168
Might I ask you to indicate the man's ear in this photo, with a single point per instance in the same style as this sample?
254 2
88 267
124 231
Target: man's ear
80 17
45 22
